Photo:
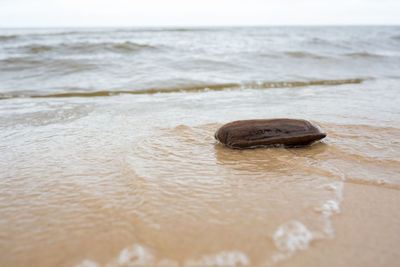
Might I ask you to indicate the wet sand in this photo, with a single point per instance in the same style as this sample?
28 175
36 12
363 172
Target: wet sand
367 231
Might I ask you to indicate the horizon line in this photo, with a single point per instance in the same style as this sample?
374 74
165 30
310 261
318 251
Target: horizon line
195 26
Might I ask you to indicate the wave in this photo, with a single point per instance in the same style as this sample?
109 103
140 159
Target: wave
60 33
363 55
317 40
7 37
396 37
95 31
19 60
60 66
299 54
122 47
331 43
197 88
167 29
38 48
19 63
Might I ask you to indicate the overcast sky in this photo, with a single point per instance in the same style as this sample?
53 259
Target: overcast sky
55 13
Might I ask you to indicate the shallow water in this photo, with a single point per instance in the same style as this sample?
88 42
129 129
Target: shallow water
130 174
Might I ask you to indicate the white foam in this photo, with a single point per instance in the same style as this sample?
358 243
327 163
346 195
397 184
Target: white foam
135 255
292 236
223 258
87 263
336 187
331 187
329 208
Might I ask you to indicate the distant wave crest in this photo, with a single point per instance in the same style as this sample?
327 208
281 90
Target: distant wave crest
363 55
7 37
56 66
396 37
299 54
122 47
53 33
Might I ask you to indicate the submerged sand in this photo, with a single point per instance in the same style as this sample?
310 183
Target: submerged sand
175 197
367 231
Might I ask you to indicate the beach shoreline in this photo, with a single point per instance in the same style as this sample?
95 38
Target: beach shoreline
108 156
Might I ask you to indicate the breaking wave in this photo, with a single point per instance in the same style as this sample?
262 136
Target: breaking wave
197 88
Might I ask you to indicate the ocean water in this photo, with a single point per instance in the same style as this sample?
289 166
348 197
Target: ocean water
107 154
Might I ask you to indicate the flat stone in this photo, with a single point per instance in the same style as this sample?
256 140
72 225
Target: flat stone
264 133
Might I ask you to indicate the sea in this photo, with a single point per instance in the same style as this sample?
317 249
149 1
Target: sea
107 149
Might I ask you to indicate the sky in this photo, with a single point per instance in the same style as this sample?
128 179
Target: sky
73 13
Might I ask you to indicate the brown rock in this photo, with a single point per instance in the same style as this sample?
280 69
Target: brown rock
263 133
